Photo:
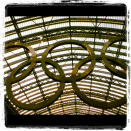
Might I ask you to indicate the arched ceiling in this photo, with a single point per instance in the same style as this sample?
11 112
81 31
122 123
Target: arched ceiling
39 33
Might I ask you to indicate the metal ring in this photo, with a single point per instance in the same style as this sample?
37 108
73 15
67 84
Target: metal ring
68 79
90 101
107 64
97 103
33 106
32 62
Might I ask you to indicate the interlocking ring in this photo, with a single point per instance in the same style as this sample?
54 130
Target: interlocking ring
116 72
62 78
33 106
69 79
93 102
31 62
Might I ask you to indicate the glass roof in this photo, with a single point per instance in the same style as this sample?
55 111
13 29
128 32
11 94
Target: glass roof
40 32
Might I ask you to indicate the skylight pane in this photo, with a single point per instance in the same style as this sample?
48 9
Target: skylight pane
11 37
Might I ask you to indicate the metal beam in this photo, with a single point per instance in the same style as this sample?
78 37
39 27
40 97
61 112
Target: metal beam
17 30
58 35
100 20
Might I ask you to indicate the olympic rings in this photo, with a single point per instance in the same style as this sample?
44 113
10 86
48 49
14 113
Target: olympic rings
33 106
68 79
32 63
62 78
107 64
90 101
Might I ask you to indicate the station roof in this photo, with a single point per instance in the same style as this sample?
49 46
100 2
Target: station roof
39 33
